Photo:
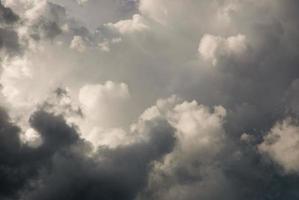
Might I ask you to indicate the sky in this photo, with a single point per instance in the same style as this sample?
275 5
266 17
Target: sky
149 99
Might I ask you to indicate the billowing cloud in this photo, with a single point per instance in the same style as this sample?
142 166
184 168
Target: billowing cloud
192 170
50 170
104 107
211 47
149 99
281 145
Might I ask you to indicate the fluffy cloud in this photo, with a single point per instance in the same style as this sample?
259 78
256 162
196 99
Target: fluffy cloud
79 81
201 140
103 108
12 71
62 158
211 47
281 145
104 103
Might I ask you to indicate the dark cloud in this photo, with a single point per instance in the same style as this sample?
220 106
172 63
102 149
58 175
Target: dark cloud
254 87
9 40
20 163
7 16
61 169
48 24
258 178
11 177
113 174
257 90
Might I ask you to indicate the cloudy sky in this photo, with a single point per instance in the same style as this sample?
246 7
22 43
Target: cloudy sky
149 99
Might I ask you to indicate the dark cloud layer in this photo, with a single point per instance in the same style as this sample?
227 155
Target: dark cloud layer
19 163
7 16
8 37
61 169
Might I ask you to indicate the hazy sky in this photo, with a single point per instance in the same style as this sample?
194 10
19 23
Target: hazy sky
149 99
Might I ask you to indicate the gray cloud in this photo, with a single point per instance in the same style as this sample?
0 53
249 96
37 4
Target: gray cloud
8 36
61 168
229 132
7 16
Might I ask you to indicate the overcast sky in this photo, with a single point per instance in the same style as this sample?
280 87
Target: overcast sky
149 99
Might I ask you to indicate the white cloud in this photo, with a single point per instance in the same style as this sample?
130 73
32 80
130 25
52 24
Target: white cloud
281 144
236 44
155 9
78 44
208 46
198 128
247 138
31 138
111 138
103 108
15 69
212 47
97 96
201 139
155 51
136 24
37 9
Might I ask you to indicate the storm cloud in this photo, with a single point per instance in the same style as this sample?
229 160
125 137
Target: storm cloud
149 99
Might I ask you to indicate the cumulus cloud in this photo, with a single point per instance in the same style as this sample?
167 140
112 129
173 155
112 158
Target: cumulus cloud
108 99
212 47
32 138
63 158
149 99
281 145
201 140
103 107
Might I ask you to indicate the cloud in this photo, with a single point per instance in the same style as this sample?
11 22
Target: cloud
78 44
281 145
82 1
63 158
9 40
211 47
136 24
104 103
192 170
31 138
7 16
94 13
104 107
20 163
149 99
